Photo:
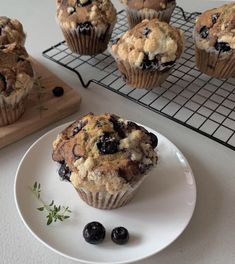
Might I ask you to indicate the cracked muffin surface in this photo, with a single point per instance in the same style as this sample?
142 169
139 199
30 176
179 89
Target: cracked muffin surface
157 5
11 30
105 152
16 72
152 44
215 29
73 13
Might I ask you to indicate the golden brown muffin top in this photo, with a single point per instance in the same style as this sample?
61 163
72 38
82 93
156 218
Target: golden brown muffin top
14 68
105 152
151 44
11 30
98 13
215 28
157 5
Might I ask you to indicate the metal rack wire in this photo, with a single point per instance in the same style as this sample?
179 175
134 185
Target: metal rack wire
193 99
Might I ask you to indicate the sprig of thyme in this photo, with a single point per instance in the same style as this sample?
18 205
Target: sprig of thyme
54 212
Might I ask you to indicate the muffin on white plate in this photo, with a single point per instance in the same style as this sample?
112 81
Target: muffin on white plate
16 81
106 158
147 53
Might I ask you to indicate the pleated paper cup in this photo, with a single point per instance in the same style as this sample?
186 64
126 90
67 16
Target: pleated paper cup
136 16
216 64
107 201
11 113
87 44
12 107
143 79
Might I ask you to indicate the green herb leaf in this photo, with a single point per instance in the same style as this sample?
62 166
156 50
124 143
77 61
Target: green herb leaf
54 211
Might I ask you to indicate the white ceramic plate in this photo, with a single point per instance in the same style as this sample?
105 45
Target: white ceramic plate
155 217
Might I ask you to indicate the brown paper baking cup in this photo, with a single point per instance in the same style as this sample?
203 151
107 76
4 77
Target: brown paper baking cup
107 201
11 113
145 79
136 16
216 64
94 43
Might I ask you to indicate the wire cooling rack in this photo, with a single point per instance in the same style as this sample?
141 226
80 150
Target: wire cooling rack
193 99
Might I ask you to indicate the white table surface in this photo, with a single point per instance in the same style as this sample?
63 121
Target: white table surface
210 236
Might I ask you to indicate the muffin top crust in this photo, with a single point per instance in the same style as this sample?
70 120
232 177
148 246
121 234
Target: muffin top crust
157 5
74 13
151 44
16 72
105 152
11 30
215 29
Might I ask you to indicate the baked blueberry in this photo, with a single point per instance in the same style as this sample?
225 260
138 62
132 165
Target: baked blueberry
107 144
153 139
94 233
58 91
115 41
79 127
214 18
120 235
144 167
64 172
147 31
118 126
204 32
85 28
222 46
3 79
84 3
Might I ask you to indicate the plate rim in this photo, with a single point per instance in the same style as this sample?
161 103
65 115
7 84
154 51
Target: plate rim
106 262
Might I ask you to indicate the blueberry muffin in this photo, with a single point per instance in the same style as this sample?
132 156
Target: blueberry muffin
87 25
11 30
16 80
138 10
214 37
146 54
105 157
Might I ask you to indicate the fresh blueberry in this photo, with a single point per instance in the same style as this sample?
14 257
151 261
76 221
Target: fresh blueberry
85 28
147 31
94 233
64 172
120 235
222 46
58 91
204 32
107 144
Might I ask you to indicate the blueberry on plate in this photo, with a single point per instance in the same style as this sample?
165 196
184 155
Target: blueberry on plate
94 233
120 235
58 91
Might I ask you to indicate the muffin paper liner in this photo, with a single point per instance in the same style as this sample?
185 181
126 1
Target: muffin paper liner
12 107
145 79
136 16
216 64
11 113
107 201
87 44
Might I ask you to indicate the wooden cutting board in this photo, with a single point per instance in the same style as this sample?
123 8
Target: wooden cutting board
42 108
